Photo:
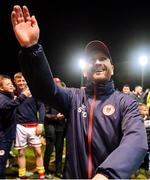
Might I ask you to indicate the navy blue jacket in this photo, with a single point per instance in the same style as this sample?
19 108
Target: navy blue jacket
105 132
51 119
30 111
8 107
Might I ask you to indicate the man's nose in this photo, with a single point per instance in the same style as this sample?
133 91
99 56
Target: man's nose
97 61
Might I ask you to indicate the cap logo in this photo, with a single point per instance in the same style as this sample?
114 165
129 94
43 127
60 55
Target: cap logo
108 110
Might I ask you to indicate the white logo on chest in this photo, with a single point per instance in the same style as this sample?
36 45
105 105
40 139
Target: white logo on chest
82 110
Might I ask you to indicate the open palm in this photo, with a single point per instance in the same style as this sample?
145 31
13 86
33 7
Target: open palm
25 26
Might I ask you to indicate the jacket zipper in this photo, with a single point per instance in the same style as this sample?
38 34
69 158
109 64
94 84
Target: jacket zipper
90 135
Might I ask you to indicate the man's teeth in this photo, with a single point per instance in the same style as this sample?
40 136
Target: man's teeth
100 70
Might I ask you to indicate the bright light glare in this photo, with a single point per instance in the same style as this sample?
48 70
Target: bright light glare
82 64
143 60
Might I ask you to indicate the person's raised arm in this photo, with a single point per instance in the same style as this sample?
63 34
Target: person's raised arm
33 61
25 26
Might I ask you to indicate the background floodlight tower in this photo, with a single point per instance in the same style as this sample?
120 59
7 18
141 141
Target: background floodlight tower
142 61
82 65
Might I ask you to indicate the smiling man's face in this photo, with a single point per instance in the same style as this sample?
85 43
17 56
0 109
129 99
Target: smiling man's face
99 67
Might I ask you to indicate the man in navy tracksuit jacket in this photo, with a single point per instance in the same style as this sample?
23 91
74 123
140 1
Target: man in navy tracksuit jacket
105 133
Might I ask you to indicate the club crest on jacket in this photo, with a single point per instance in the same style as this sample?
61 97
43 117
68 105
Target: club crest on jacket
108 110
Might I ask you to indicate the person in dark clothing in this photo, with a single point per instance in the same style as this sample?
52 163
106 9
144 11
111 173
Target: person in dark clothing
54 133
29 118
138 94
54 125
126 89
8 105
105 134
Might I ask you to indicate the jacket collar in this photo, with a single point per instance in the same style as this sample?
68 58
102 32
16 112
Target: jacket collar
100 88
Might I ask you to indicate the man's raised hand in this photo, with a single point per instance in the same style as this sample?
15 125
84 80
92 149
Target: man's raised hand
25 26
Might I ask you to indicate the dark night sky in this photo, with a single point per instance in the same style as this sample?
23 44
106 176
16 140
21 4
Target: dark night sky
66 27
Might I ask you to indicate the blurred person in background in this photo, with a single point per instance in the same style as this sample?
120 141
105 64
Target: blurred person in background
54 125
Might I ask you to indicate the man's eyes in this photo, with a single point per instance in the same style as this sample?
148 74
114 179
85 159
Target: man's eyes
103 58
100 59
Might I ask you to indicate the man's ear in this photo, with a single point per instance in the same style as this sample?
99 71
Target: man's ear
86 71
112 71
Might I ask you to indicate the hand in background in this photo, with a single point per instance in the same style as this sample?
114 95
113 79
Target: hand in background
60 116
27 92
39 129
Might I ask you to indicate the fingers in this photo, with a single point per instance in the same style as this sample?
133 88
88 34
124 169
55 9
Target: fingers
16 16
19 15
33 21
26 13
13 19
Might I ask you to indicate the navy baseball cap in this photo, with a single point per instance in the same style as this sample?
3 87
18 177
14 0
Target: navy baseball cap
97 45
